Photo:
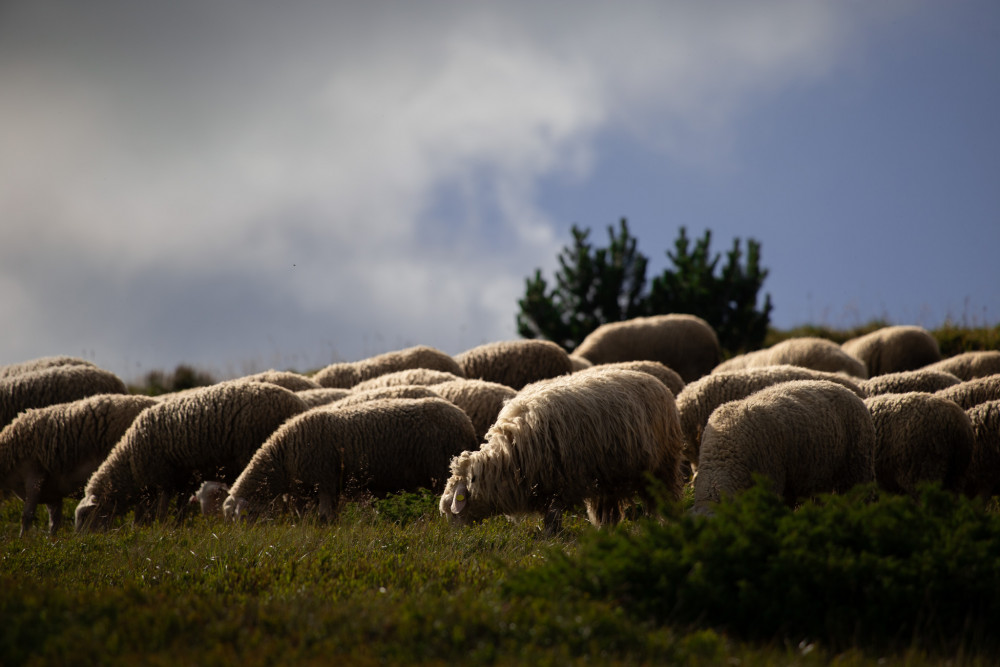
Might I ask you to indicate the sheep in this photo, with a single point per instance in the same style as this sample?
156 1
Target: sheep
667 376
515 363
920 437
805 436
210 496
47 454
973 392
700 398
902 382
591 437
347 374
410 376
810 352
481 400
42 363
579 363
380 446
390 391
970 365
983 476
684 343
287 379
172 447
322 396
58 384
893 349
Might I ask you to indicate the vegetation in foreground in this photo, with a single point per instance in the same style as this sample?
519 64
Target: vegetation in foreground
898 581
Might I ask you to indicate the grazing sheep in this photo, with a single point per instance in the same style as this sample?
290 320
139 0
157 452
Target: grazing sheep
590 437
894 349
380 446
667 376
172 447
700 398
287 379
47 454
983 476
347 374
970 365
42 363
684 343
323 396
480 399
906 381
806 436
920 437
410 376
515 363
807 351
973 392
210 496
58 384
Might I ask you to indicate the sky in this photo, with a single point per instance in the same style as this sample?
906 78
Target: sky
247 185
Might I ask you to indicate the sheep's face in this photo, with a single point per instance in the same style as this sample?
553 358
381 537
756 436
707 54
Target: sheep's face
459 502
92 515
236 508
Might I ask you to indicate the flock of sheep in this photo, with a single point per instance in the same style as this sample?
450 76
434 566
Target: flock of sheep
510 428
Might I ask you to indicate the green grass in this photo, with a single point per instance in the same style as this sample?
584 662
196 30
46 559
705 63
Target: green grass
392 582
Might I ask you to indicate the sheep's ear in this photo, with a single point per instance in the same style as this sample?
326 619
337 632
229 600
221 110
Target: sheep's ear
461 497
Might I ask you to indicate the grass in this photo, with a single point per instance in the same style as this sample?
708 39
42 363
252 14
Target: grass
390 582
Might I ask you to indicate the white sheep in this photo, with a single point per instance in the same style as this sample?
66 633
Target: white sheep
322 396
287 379
172 447
410 376
685 343
347 374
210 496
970 365
47 454
379 447
805 436
668 376
590 438
972 392
920 437
700 398
810 352
57 384
481 400
42 363
893 349
902 382
515 363
983 476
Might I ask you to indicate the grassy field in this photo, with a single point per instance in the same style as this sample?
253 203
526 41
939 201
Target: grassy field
392 582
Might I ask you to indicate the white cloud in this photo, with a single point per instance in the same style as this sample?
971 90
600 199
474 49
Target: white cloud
201 140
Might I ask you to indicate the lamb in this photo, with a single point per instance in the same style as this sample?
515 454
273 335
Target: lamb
893 349
970 365
42 363
667 376
481 400
810 352
685 343
920 437
983 477
47 454
172 447
380 446
902 382
973 392
322 396
590 437
515 363
806 436
210 496
287 379
410 376
49 386
700 398
347 374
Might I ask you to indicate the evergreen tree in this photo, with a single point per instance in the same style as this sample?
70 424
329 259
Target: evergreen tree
595 286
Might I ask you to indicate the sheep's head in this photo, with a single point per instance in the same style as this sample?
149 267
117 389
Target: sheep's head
237 508
459 501
210 495
91 514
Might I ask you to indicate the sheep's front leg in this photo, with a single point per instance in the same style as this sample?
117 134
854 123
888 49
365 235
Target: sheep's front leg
55 516
33 481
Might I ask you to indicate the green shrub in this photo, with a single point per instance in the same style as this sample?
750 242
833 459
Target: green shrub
889 574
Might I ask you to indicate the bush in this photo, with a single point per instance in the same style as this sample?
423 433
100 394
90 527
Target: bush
886 575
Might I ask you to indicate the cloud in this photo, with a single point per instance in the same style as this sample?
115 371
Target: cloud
330 179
